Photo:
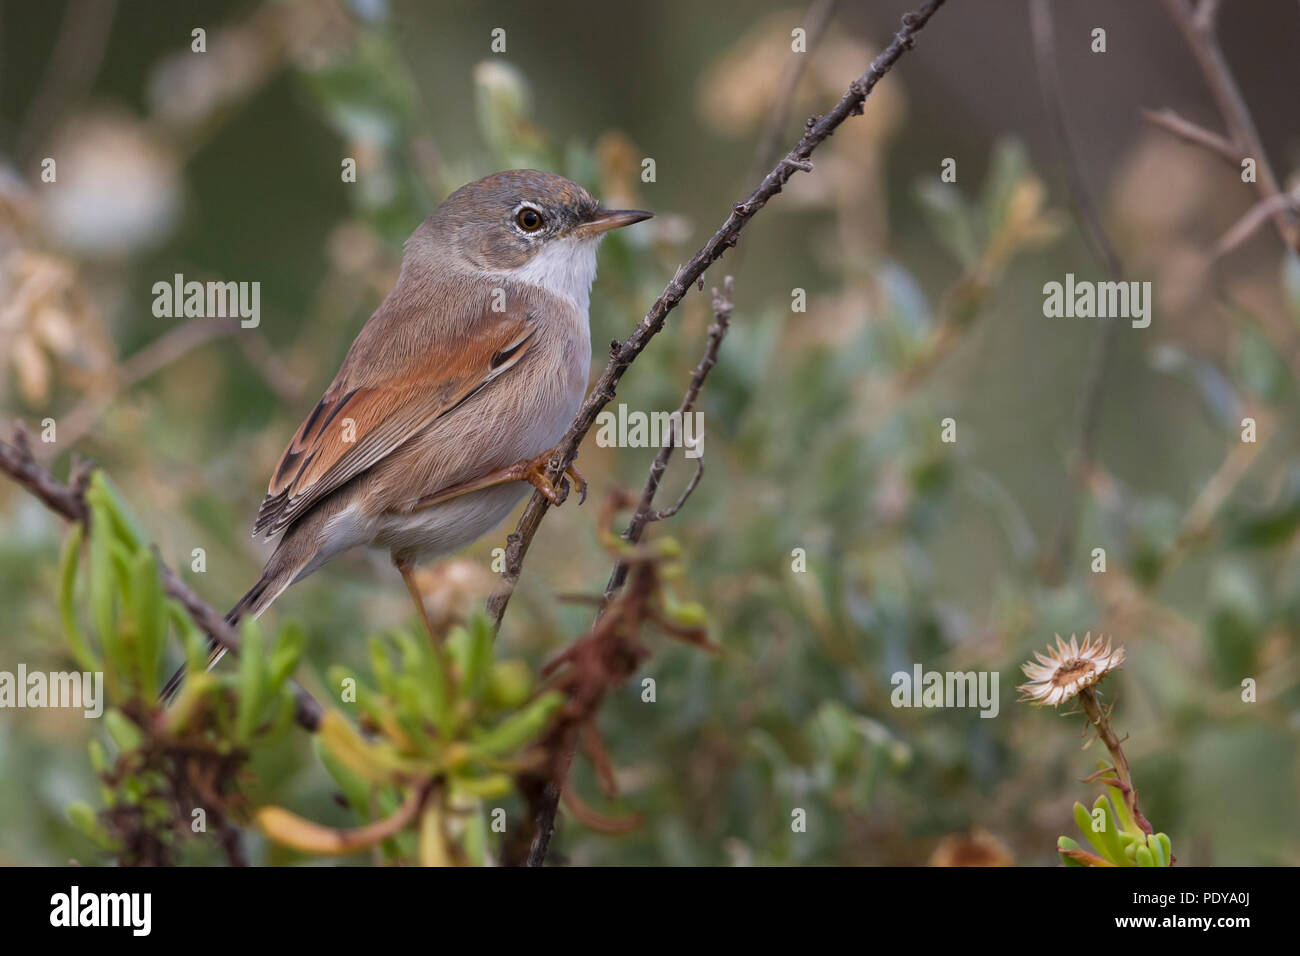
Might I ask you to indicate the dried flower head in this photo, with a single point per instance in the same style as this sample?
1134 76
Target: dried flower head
1068 669
977 848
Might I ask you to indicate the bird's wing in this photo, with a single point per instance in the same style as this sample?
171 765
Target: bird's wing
363 417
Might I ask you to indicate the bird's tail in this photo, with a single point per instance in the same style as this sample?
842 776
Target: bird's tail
278 574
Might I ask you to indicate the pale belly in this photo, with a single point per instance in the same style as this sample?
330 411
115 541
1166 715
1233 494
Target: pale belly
450 526
490 432
520 433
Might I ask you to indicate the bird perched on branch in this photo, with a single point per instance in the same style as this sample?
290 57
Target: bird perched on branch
449 403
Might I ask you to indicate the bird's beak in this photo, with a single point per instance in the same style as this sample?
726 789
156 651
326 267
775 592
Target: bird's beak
606 219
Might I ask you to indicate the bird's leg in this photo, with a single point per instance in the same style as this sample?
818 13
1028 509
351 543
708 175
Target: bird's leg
406 568
531 470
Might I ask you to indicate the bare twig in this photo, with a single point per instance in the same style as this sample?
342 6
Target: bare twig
548 800
156 355
676 506
1040 17
1256 216
1045 57
337 842
585 672
1186 130
817 130
645 513
69 502
1099 718
71 69
814 21
1197 27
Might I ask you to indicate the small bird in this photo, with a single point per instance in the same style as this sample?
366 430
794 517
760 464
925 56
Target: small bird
453 395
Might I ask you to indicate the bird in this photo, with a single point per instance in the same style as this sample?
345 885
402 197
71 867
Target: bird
454 393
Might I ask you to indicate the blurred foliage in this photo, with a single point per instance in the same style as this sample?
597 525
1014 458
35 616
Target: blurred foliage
923 302
1114 834
445 713
175 770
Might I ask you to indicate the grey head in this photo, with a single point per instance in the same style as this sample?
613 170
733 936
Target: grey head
502 222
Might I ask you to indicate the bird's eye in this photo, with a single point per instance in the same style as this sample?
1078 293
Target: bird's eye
528 219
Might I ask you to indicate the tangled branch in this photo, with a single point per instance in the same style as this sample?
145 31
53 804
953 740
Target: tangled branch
818 129
545 799
69 501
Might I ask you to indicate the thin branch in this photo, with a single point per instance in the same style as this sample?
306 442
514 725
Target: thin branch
1207 14
1089 411
548 802
585 672
336 842
817 130
668 512
1198 30
153 357
71 69
69 502
1197 135
815 20
66 500
1249 224
645 513
1040 17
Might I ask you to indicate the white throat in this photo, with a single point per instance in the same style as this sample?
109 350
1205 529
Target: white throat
564 267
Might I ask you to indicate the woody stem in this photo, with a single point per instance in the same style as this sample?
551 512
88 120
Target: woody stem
1100 721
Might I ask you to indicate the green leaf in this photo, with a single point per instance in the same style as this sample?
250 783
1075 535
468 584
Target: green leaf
519 728
103 576
125 733
98 758
1271 526
475 840
355 790
1166 848
1291 282
1083 820
433 845
1065 843
122 524
86 659
83 817
1110 835
1257 366
286 709
1008 165
950 220
1217 394
1157 851
1126 824
478 658
425 679
193 641
149 613
289 645
253 685
509 685
382 666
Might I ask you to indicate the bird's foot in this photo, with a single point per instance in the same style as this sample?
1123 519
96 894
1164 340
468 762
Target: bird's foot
531 470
